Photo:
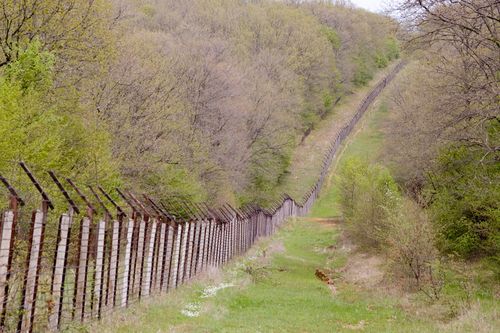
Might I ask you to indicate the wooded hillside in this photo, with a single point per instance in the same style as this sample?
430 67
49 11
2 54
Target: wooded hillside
200 99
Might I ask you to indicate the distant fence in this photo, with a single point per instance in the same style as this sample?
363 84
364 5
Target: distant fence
89 266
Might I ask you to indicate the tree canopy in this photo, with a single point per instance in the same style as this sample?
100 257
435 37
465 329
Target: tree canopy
203 99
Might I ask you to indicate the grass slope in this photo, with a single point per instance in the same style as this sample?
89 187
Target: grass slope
307 158
366 143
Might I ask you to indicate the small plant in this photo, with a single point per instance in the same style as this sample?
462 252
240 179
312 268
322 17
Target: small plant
257 273
433 281
410 247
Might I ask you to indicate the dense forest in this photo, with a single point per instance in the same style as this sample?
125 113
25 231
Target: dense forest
199 99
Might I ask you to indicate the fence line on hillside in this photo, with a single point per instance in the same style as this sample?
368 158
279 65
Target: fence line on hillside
94 265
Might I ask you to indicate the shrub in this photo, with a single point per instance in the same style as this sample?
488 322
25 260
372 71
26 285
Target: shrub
464 203
363 73
392 48
367 191
378 216
410 247
381 60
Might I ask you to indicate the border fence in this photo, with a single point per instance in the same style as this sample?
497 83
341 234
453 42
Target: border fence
97 263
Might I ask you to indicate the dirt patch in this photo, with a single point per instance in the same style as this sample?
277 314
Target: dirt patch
328 221
212 274
356 327
364 269
274 247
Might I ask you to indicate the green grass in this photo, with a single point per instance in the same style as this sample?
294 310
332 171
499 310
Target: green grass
280 294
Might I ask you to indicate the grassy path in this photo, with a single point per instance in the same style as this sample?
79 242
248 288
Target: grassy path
275 289
307 158
366 143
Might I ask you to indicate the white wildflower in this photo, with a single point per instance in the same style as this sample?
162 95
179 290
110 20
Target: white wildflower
211 291
191 310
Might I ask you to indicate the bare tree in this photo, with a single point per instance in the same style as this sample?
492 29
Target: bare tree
462 43
75 30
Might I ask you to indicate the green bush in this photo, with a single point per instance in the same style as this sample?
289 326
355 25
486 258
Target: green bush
47 133
379 217
464 195
327 101
392 48
309 119
367 193
173 180
381 60
363 72
410 246
332 37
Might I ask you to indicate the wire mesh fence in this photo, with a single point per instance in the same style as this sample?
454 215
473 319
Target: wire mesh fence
60 269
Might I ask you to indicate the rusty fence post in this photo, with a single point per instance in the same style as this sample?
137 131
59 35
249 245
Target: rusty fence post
115 251
102 233
127 263
146 285
161 256
213 240
35 250
201 241
79 294
196 248
60 257
99 268
139 257
182 253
